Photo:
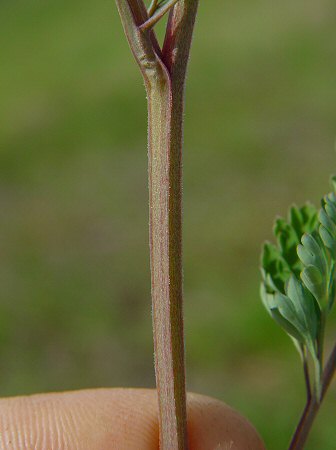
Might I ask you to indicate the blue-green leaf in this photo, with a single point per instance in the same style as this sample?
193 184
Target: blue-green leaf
333 183
330 208
287 310
331 287
267 298
275 270
299 286
327 222
328 239
283 311
304 219
296 311
312 253
287 241
304 305
280 317
315 283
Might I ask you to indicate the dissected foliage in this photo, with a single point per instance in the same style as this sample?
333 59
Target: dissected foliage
298 286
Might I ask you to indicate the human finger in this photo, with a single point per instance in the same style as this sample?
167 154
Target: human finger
115 419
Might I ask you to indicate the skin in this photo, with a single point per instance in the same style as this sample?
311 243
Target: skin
115 419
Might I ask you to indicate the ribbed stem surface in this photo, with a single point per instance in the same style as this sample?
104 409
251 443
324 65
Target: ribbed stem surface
165 181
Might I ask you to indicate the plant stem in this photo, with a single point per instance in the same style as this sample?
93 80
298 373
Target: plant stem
312 407
329 371
164 159
157 14
306 374
166 106
152 7
164 75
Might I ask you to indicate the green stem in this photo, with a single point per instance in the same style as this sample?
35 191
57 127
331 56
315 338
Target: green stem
320 340
317 379
314 351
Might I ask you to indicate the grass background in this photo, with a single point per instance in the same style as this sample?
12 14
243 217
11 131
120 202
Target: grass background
74 272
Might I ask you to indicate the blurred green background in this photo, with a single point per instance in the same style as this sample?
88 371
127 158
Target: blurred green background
74 273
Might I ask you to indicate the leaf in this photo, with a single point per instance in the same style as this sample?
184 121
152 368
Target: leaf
274 268
287 241
327 222
315 283
333 182
273 304
304 305
300 220
330 208
296 312
327 218
299 276
304 219
312 253
285 315
328 240
267 298
331 287
269 283
285 324
306 257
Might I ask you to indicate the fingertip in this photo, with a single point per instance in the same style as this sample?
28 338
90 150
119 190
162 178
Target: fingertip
212 425
116 419
96 419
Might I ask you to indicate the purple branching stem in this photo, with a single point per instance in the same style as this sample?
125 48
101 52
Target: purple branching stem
312 406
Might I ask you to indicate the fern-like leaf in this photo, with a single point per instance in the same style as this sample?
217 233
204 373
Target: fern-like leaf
318 254
288 301
298 286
